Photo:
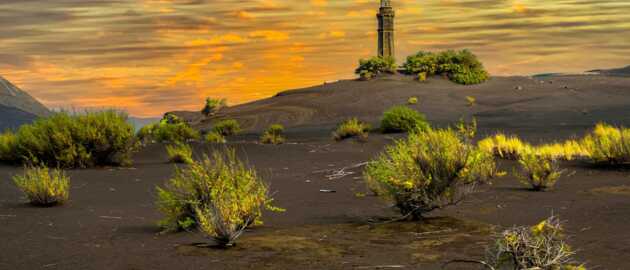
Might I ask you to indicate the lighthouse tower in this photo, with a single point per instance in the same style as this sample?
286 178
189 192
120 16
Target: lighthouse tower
386 29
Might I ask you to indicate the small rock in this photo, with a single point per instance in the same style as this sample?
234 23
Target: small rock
327 191
307 181
519 88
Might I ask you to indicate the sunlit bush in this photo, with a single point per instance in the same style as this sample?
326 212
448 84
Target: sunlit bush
44 187
179 153
65 140
538 171
213 106
412 100
213 137
541 246
462 67
403 119
568 150
508 147
352 128
369 68
273 135
170 129
227 127
428 171
218 195
608 144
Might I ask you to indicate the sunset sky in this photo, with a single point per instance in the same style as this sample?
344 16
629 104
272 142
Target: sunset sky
152 56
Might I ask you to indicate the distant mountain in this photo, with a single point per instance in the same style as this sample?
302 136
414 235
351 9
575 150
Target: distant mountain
613 72
17 107
138 122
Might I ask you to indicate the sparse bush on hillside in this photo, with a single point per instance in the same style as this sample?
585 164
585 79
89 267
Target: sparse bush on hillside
273 135
218 195
170 129
471 101
403 119
44 187
227 127
352 128
461 67
540 172
213 106
65 140
608 145
508 147
213 137
541 246
179 153
369 68
428 171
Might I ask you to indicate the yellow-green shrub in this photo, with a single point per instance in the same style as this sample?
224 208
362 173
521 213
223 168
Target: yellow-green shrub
65 140
44 187
500 145
427 171
541 246
273 135
179 153
351 128
568 150
218 195
213 137
7 146
227 127
412 100
608 144
403 119
170 129
539 171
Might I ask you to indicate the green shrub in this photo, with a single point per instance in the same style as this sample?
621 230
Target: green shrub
428 171
541 246
608 145
227 127
369 68
220 196
538 171
65 140
43 187
351 128
462 67
273 135
213 106
179 153
412 101
170 129
403 119
214 137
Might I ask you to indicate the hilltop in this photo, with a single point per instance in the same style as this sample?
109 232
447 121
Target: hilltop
570 103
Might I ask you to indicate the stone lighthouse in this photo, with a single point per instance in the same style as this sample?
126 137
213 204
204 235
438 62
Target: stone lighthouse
386 29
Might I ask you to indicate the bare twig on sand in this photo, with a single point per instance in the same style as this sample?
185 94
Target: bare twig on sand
110 217
341 173
485 264
380 266
7 216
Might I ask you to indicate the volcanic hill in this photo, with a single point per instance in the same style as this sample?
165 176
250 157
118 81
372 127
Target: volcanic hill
17 107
